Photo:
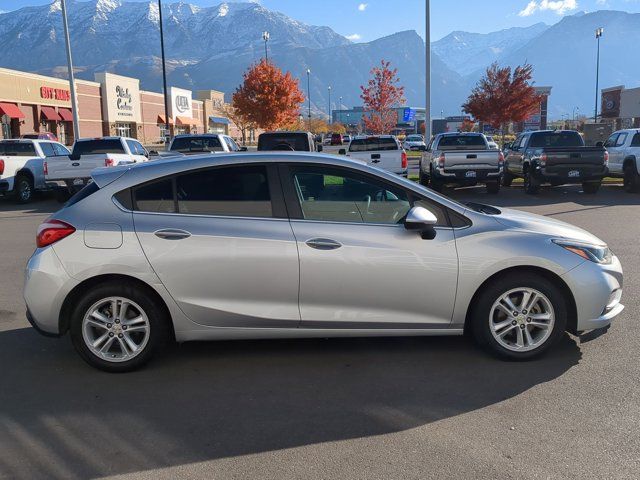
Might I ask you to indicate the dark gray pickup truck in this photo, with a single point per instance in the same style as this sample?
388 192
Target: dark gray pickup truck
555 157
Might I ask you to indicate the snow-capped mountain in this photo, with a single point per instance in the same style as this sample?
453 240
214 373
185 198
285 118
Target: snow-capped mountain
466 52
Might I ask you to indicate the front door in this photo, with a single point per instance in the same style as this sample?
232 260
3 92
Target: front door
359 266
220 242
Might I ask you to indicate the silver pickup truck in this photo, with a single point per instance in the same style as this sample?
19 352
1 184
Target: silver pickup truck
461 159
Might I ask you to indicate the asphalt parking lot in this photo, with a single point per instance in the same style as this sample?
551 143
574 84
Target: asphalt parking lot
411 408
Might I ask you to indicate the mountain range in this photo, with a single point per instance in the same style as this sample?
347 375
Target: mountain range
211 47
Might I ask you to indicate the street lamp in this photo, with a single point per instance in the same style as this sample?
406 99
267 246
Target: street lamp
72 82
164 75
340 104
329 88
599 32
309 93
265 37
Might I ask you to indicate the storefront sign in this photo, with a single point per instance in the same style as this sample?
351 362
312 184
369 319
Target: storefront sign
51 93
181 103
610 107
120 98
31 89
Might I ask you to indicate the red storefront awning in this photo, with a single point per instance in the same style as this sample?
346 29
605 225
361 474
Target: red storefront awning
10 110
66 114
162 120
49 113
187 121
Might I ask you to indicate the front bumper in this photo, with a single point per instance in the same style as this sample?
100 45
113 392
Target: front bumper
597 290
46 285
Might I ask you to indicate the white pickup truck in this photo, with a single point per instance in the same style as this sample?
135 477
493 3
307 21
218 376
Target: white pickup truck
624 157
382 151
22 166
89 153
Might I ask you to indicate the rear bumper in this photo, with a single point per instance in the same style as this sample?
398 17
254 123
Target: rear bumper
46 285
5 186
467 176
561 173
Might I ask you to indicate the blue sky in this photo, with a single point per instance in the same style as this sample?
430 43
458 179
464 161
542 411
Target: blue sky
370 19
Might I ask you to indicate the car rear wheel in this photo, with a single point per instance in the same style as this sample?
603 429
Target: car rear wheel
591 188
422 178
519 317
507 179
24 189
631 180
493 187
118 327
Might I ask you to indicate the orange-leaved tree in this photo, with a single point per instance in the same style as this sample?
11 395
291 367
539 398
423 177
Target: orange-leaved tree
268 97
467 125
380 96
503 96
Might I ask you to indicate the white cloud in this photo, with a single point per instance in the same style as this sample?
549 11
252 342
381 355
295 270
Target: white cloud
558 6
363 6
353 37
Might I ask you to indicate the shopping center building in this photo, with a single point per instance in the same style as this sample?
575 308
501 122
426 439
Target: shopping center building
110 105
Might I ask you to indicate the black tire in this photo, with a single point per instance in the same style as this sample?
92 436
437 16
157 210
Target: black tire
23 188
493 187
158 321
631 180
507 178
422 178
531 186
436 185
480 315
591 188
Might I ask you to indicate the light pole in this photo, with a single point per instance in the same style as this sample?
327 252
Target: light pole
575 109
309 94
265 37
599 32
164 75
330 120
427 39
340 104
72 82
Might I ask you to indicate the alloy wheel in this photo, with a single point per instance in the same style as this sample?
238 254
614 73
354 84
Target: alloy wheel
115 329
521 319
24 190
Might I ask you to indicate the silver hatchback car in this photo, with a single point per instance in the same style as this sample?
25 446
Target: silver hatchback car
277 244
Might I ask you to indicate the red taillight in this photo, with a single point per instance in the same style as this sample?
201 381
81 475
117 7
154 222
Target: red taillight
606 158
405 162
441 160
51 231
45 167
109 162
543 158
501 159
1 167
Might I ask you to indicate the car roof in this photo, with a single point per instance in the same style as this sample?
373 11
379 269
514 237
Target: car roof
457 134
360 137
208 134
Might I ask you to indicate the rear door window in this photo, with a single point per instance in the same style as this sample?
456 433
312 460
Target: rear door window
60 149
47 149
636 140
622 138
156 197
234 191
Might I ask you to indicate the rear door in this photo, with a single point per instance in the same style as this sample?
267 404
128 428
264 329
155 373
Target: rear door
616 152
221 243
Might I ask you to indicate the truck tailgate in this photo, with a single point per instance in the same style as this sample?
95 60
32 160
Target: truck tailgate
574 156
471 159
63 168
390 160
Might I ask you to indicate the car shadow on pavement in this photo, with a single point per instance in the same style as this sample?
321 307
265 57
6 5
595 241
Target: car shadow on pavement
200 401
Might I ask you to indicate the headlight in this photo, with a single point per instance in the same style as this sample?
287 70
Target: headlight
594 253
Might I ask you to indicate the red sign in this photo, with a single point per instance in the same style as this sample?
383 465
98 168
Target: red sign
51 93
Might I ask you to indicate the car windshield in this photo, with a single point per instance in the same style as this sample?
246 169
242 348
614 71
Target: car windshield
17 149
372 144
461 142
556 139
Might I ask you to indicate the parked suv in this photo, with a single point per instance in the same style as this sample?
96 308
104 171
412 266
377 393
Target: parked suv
624 157
288 245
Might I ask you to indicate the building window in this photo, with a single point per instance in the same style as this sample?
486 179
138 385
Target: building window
123 129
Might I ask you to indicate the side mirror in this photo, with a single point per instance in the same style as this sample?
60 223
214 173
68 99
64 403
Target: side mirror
319 148
342 151
599 144
422 220
243 149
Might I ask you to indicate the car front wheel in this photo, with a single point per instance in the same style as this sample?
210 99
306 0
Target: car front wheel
631 179
118 327
519 317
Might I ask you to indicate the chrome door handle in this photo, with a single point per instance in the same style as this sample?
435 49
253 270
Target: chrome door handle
172 234
323 244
